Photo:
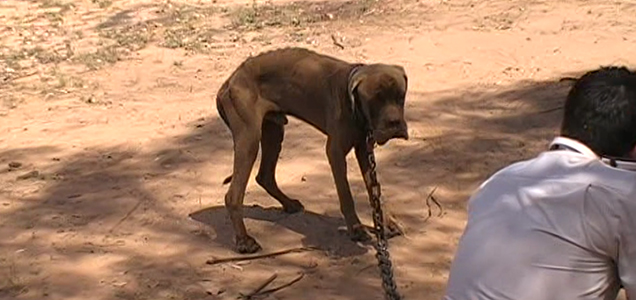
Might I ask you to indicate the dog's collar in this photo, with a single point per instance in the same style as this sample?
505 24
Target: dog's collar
352 98
356 111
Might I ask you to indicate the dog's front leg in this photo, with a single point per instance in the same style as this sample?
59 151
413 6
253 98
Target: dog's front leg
362 156
336 154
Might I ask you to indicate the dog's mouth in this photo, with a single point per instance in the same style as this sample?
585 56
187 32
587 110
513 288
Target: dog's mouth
384 136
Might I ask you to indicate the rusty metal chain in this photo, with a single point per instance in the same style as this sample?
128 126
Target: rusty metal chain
381 247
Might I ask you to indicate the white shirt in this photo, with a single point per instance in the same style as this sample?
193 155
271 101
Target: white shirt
560 226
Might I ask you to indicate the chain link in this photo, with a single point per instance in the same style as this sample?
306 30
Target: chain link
381 247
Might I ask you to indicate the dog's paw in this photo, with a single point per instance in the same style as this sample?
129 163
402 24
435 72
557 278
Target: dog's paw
247 245
393 228
293 206
360 234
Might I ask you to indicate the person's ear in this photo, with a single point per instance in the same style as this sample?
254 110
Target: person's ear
632 154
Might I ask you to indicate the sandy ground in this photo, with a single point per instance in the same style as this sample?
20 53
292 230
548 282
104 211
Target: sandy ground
112 153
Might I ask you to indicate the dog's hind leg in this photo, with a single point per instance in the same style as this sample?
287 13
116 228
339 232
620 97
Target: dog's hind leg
273 131
246 133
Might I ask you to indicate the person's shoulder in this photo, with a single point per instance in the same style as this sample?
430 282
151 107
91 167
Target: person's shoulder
559 165
509 170
617 179
540 165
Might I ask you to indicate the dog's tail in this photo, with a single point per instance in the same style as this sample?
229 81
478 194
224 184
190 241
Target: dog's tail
227 180
224 91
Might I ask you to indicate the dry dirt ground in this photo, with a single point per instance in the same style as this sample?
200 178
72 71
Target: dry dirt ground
112 154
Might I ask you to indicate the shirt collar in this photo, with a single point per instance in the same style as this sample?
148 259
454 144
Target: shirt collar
561 142
573 145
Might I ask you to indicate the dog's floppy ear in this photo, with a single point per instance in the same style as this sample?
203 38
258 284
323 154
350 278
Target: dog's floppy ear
403 71
400 68
355 79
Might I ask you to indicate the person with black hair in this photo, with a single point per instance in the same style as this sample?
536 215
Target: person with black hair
561 225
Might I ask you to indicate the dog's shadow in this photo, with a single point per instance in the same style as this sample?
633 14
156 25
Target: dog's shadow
325 232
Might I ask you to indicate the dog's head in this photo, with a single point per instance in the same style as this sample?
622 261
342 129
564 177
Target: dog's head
380 91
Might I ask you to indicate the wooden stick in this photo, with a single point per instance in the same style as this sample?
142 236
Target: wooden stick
21 76
215 261
335 42
441 208
365 268
260 287
549 110
127 215
428 204
278 288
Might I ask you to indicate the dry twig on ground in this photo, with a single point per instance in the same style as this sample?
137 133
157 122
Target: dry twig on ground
336 42
215 261
278 288
428 204
259 288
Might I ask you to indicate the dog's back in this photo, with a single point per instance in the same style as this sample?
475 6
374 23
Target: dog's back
297 81
285 58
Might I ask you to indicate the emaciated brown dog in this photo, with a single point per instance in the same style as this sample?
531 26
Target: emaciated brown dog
342 100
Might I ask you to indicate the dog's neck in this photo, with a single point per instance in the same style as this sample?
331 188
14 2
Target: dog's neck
356 109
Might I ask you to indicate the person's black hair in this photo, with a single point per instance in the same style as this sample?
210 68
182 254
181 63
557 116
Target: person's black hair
600 111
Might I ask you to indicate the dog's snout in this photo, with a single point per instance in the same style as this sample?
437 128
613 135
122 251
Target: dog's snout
403 135
394 123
